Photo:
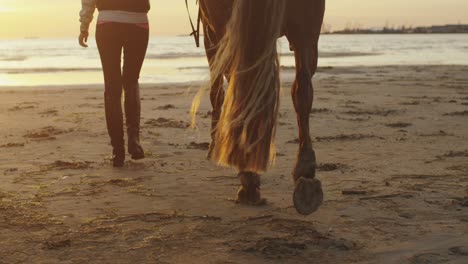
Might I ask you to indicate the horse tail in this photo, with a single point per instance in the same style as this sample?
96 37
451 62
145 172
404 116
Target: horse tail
247 55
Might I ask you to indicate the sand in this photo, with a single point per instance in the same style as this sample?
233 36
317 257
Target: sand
392 143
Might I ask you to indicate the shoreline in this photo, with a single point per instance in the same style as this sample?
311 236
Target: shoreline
286 71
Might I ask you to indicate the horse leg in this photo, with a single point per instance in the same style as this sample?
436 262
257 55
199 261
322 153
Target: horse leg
249 192
304 22
216 89
308 195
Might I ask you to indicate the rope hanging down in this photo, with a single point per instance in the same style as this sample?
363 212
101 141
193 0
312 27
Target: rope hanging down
195 31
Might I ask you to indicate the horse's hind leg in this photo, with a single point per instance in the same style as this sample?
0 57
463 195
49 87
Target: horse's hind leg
308 195
249 192
216 89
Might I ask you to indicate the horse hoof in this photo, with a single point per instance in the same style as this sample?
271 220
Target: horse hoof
252 198
308 195
259 202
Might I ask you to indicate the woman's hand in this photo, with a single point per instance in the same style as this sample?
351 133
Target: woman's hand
83 38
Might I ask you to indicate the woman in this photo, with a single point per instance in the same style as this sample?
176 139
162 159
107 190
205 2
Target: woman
122 25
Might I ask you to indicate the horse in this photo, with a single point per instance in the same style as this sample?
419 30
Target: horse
240 38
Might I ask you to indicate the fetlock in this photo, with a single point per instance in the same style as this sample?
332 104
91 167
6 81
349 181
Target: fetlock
305 165
249 192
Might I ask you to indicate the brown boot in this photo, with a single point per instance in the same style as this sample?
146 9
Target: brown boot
133 115
114 120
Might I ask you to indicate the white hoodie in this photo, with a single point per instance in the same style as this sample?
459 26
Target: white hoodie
89 6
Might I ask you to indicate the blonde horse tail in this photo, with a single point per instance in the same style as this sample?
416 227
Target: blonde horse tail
248 56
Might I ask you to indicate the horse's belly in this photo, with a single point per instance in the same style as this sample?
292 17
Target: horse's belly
216 13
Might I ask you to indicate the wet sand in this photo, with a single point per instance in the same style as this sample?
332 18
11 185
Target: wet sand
392 143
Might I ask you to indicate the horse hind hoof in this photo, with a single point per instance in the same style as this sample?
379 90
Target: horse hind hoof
252 198
308 195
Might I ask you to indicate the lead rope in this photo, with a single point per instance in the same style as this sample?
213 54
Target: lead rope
195 32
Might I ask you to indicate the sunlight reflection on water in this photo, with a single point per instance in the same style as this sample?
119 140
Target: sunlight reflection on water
40 62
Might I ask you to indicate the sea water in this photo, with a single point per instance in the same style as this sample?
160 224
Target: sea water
62 62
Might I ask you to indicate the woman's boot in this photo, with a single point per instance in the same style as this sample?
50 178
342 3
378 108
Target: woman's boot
114 120
132 114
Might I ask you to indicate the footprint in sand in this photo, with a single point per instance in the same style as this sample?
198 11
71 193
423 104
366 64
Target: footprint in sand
320 111
201 146
293 141
49 112
58 244
166 123
350 137
460 113
166 107
428 258
9 171
205 115
410 103
283 238
398 125
460 251
21 108
454 154
46 133
353 102
358 119
68 165
341 137
460 201
376 112
12 145
331 166
121 182
460 168
440 133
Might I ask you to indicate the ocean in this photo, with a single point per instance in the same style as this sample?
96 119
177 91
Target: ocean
62 62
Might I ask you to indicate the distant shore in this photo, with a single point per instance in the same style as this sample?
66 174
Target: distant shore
443 29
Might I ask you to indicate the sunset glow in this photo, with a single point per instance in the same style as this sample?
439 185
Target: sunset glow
52 18
4 9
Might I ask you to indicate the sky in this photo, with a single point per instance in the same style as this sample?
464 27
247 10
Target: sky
59 18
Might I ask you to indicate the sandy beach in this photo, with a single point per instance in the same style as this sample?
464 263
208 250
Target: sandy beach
392 143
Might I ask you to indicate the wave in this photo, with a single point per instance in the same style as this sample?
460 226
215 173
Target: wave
13 58
283 67
46 70
346 54
193 68
180 55
175 55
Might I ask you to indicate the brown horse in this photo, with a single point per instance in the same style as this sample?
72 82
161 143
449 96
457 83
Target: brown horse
240 40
